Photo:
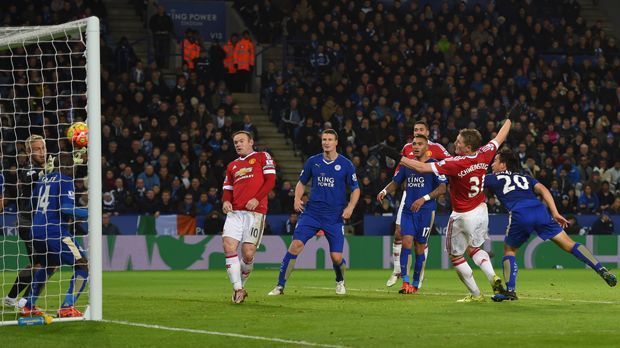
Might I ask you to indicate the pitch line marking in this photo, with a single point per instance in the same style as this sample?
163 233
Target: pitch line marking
447 294
216 333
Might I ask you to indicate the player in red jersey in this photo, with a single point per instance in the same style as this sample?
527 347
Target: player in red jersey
248 180
468 224
435 151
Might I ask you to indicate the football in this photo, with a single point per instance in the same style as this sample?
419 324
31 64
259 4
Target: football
78 133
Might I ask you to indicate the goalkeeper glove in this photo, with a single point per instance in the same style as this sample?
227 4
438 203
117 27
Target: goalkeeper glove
48 167
391 152
78 155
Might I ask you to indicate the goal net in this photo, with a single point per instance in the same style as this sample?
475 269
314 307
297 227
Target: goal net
50 251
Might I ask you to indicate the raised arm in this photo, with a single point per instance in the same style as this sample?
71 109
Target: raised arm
503 132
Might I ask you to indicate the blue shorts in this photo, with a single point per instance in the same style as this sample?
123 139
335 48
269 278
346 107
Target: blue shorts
524 221
417 224
309 224
57 251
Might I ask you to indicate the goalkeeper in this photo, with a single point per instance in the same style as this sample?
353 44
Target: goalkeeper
53 242
26 201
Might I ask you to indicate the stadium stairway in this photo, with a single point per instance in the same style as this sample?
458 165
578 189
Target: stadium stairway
123 21
591 13
288 164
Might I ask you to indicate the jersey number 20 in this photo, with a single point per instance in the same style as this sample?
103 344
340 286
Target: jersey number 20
519 181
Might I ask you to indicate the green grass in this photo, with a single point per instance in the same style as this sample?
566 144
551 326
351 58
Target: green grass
557 308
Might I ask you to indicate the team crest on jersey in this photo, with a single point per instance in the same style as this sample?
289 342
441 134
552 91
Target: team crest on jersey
243 172
429 153
337 167
252 161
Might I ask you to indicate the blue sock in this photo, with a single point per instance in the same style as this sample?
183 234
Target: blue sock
288 263
80 276
339 269
417 269
510 272
38 283
583 254
405 264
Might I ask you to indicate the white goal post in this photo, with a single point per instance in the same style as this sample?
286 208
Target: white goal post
14 121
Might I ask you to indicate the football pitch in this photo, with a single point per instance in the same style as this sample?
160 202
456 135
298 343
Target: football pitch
193 308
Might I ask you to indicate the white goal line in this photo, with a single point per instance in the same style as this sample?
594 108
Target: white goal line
216 333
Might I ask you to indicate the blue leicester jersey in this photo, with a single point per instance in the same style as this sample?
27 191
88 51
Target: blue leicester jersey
330 179
1 184
56 194
514 190
417 185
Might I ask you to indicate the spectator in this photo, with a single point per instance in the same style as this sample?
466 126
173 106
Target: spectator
214 224
291 223
291 120
166 205
109 203
615 208
573 226
148 204
605 197
149 177
162 28
602 225
108 228
125 57
588 201
273 203
187 206
203 207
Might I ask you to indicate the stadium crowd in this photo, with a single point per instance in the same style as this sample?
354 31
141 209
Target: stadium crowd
369 70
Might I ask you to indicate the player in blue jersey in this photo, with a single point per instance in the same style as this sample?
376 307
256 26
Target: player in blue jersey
52 241
418 213
1 192
517 192
331 175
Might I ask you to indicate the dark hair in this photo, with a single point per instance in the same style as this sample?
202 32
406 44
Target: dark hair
330 131
508 157
471 137
422 136
250 136
422 123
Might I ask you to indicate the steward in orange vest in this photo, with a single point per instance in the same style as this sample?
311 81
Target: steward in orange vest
244 53
191 48
229 48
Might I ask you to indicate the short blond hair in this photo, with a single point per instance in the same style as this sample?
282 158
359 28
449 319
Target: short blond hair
31 139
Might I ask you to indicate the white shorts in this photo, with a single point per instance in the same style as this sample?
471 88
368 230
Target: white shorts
467 229
245 226
399 214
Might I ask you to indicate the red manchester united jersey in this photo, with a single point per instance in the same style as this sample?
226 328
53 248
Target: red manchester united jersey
467 176
435 151
245 176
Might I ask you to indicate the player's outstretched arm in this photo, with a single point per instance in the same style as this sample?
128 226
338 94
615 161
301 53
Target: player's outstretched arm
418 166
355 196
503 132
548 198
298 204
389 188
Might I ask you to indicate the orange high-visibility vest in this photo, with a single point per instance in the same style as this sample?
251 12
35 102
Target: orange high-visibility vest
191 51
244 54
229 62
